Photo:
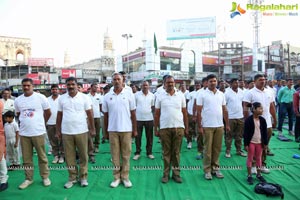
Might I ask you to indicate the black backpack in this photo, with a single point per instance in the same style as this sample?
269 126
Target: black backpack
269 189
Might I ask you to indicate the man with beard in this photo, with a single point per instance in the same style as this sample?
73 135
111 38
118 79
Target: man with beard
73 108
211 109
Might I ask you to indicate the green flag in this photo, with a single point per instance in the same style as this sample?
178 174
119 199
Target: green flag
155 44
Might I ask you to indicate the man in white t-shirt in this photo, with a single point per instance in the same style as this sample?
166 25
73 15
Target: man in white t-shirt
211 109
120 121
96 102
56 142
33 110
260 94
171 124
144 106
234 102
191 97
74 114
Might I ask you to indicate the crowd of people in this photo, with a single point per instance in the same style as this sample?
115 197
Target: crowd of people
69 125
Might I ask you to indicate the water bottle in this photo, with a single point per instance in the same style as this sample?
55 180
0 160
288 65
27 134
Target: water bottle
296 156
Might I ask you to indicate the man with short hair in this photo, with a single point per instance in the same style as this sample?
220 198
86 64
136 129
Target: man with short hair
144 106
234 102
33 110
211 109
56 142
285 99
260 94
120 123
74 114
96 101
8 103
171 124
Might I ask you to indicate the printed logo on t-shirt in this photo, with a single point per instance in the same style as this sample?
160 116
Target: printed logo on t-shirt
28 113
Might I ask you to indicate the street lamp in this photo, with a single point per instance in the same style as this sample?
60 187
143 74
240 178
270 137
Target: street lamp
127 36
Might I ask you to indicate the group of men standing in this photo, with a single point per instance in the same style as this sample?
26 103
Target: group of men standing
73 120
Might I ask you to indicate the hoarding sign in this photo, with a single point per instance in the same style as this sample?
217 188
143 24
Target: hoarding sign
66 73
191 28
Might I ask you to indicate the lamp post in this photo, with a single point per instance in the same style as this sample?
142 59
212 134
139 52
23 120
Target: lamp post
127 36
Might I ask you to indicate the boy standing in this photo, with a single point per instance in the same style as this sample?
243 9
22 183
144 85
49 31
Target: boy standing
11 130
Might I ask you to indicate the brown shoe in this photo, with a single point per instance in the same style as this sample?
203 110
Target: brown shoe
165 179
177 178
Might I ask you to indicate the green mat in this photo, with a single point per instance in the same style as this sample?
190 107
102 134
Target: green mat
145 175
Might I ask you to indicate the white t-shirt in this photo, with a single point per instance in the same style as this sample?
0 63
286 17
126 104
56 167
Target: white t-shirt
212 111
265 98
185 94
144 104
31 111
118 107
53 106
10 130
170 110
8 105
191 99
74 113
234 103
127 88
96 101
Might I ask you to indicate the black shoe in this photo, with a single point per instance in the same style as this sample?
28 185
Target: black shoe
269 153
177 178
3 186
250 180
92 160
165 179
103 141
261 179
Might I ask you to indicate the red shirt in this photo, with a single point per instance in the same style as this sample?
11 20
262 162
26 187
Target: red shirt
296 102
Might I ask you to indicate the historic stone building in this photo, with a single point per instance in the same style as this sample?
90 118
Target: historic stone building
14 51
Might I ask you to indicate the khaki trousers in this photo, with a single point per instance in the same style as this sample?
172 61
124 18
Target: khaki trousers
212 139
236 133
120 148
71 143
27 144
56 143
171 140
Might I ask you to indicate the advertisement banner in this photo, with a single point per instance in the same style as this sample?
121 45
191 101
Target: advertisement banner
40 62
191 28
34 77
66 73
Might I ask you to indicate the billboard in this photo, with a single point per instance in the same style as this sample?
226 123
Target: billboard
34 77
40 62
191 28
66 73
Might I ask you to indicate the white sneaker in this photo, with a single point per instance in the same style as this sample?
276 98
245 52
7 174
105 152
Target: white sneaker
189 146
279 133
69 184
127 183
227 155
291 133
61 160
115 183
264 170
46 182
49 153
55 160
151 156
84 183
253 170
136 157
25 184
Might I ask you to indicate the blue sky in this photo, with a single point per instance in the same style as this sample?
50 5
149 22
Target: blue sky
76 25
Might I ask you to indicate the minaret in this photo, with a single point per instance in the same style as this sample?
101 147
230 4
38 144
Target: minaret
107 45
67 59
